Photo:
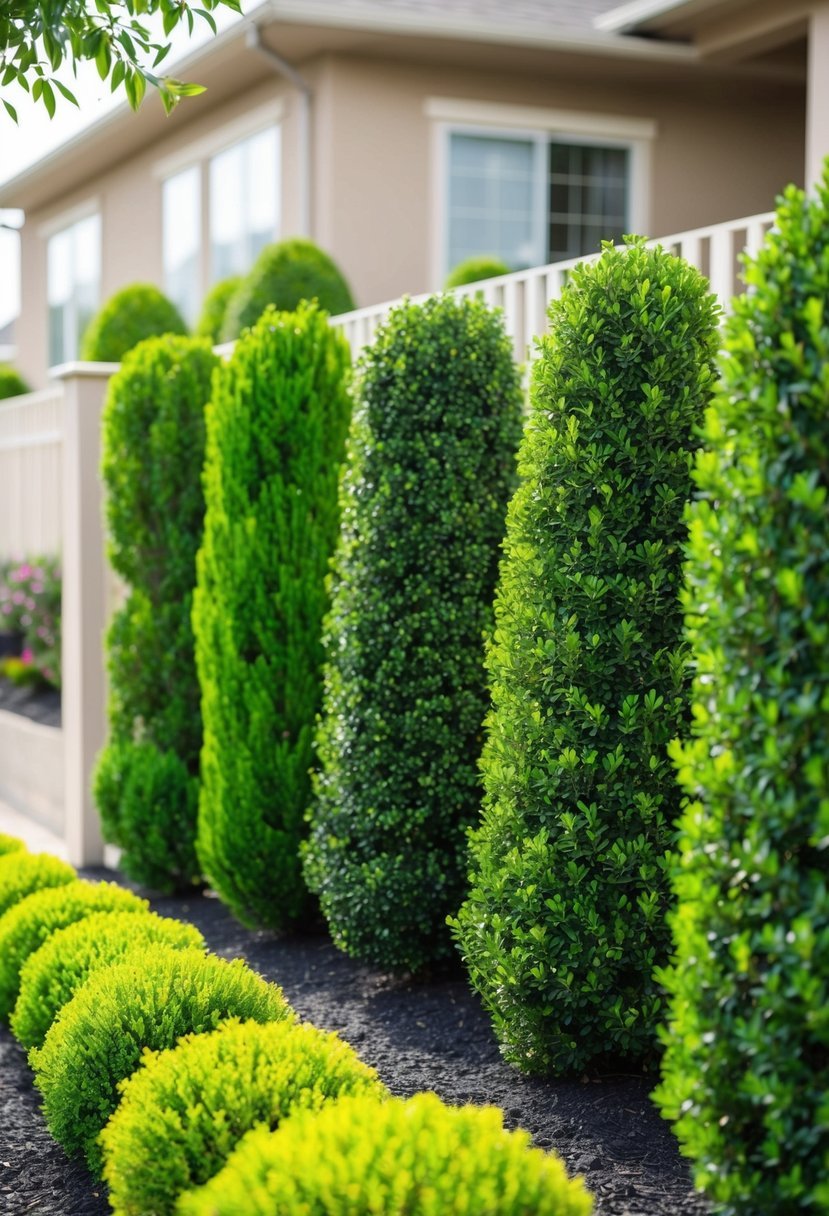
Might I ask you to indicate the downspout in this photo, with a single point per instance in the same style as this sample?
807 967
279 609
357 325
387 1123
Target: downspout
254 42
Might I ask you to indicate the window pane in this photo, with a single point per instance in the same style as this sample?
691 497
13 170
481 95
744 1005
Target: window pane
588 198
73 285
181 241
244 202
491 194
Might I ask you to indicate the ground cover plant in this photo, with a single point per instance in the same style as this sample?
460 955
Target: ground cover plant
746 1067
214 308
147 777
472 270
276 437
134 313
22 873
565 919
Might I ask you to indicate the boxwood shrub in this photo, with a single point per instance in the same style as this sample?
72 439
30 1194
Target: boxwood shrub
147 1001
276 436
146 781
358 1156
746 1067
23 873
214 309
27 925
565 920
51 976
431 468
134 313
183 1112
472 270
11 844
12 383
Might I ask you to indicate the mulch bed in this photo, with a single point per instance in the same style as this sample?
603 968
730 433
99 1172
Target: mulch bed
38 704
425 1035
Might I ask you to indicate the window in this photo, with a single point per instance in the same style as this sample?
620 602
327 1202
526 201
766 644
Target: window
73 285
244 202
181 202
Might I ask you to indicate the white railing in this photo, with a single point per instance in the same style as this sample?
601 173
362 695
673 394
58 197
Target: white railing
31 474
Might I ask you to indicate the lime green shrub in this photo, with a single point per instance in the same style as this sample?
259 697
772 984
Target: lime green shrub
23 873
214 309
566 916
12 383
746 1066
146 781
51 976
431 468
473 270
358 1157
184 1111
276 436
284 275
147 1001
134 313
26 926
11 844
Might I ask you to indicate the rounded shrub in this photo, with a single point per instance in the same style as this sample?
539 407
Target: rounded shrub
358 1156
276 436
134 313
473 270
11 844
149 1000
431 468
746 1066
566 916
12 383
284 275
26 926
146 780
214 309
184 1111
23 873
51 976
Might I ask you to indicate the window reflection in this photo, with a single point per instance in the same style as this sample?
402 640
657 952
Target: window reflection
181 242
244 208
73 286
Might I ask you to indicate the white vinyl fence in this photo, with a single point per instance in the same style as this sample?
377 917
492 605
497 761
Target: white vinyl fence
31 438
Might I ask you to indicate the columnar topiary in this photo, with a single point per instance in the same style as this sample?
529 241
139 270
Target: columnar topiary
146 783
276 437
566 916
431 468
214 309
746 1070
134 313
22 874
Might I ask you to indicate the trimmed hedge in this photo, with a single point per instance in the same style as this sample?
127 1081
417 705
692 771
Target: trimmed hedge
26 926
23 873
51 976
147 777
746 1067
473 270
358 1157
276 436
184 1111
214 308
431 468
565 919
12 383
147 1001
134 313
283 276
11 844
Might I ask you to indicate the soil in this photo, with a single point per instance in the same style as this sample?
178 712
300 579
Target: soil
418 1035
38 704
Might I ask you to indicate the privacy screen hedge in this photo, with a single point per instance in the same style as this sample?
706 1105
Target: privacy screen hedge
746 1070
276 437
566 917
146 783
431 468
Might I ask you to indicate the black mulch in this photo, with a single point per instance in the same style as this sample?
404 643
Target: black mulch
39 704
428 1035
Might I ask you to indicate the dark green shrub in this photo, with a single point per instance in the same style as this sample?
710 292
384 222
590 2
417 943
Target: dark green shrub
12 383
11 844
358 1156
473 270
431 468
184 1111
134 313
746 1070
284 275
148 1001
26 926
51 976
214 308
146 783
276 435
566 916
23 873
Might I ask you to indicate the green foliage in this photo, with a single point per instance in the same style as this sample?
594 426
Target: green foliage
431 468
566 916
28 924
23 873
12 383
11 844
284 275
183 1113
473 270
359 1156
146 782
133 314
51 976
276 436
746 1067
214 308
148 1001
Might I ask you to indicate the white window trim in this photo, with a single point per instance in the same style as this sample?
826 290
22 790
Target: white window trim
218 140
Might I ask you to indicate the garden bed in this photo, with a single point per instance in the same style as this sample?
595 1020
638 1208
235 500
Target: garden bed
430 1035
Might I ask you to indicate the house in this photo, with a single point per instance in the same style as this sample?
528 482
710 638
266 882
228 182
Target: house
406 135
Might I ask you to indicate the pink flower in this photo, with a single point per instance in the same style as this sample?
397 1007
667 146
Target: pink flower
26 656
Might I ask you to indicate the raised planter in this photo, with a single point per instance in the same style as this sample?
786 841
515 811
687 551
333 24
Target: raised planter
31 769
